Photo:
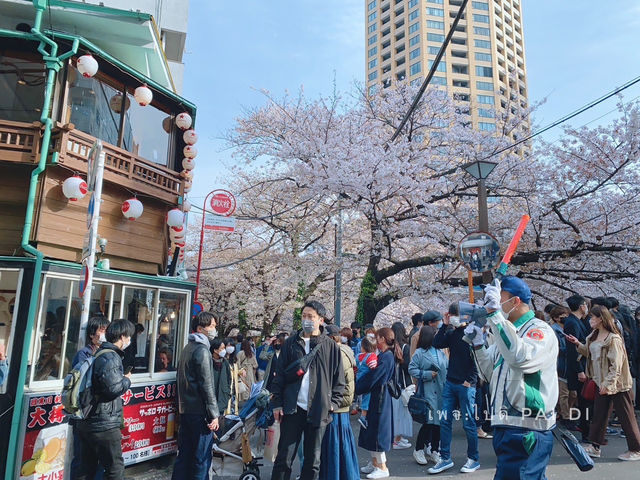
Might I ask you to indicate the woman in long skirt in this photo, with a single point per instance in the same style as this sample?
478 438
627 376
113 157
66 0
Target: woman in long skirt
339 459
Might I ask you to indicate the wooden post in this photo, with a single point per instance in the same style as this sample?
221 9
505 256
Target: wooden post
470 282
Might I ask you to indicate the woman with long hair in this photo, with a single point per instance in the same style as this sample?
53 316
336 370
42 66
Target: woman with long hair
608 367
248 366
378 436
402 421
429 366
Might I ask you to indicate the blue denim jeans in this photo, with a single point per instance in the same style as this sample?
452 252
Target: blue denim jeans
195 442
522 454
465 397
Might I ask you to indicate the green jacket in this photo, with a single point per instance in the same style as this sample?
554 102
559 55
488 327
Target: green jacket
348 362
222 383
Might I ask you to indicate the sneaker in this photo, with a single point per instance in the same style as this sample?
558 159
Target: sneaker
404 441
470 466
401 446
435 457
592 451
441 466
629 456
483 434
368 468
622 434
612 431
427 451
363 422
378 473
419 457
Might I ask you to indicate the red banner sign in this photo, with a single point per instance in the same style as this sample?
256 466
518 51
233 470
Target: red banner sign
223 203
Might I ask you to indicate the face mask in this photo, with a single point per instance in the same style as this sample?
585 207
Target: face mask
439 324
230 350
506 314
454 321
277 346
343 339
211 334
103 338
222 353
371 336
308 326
126 343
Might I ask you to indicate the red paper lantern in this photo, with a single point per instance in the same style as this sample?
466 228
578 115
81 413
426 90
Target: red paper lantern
74 188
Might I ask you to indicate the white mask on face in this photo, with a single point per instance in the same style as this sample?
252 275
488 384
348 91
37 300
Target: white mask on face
506 314
126 343
230 349
103 338
343 339
454 321
222 352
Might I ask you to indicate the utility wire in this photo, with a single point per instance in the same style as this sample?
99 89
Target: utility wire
432 71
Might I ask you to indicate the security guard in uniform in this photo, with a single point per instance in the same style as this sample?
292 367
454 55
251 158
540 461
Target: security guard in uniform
521 368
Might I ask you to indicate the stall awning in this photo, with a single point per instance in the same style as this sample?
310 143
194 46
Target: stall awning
132 37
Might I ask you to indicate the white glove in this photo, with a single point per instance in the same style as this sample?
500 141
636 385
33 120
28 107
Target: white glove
492 296
478 339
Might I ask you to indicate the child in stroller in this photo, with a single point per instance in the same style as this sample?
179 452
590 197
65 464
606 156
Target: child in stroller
232 440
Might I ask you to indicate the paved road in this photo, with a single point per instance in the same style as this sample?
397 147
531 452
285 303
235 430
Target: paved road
402 465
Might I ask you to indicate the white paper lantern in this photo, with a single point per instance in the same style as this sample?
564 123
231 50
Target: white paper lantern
188 185
183 121
115 103
87 65
190 151
188 163
187 175
190 137
74 188
176 230
181 244
179 238
143 95
175 218
132 208
186 205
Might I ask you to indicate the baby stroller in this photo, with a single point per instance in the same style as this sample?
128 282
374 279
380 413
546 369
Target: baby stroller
232 441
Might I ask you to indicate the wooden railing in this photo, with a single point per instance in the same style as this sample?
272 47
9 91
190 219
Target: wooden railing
19 142
121 167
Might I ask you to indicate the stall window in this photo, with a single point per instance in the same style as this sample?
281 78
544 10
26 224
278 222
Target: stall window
147 132
94 107
139 307
10 281
170 313
21 88
49 338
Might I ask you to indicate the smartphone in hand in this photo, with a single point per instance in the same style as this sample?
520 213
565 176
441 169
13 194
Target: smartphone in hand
128 370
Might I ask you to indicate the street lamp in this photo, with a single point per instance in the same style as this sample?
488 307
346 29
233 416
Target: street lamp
480 170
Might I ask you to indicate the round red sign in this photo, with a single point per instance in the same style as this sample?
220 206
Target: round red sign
223 203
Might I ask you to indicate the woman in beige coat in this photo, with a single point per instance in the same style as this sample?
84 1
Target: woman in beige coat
608 367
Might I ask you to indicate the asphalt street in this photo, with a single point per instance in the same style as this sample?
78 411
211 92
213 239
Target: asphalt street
402 465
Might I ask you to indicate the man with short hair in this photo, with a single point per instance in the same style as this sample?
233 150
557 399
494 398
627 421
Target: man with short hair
418 322
308 386
575 366
196 401
521 368
100 431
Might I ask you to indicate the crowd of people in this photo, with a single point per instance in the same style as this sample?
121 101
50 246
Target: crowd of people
510 380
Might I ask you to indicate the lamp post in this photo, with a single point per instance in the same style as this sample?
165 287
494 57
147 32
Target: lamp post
480 170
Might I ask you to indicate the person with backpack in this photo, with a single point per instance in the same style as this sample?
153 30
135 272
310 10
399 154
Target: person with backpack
307 388
99 431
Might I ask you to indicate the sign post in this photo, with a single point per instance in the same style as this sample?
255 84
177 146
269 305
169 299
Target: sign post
95 173
222 204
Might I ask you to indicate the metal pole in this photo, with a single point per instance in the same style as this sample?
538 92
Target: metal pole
337 305
483 218
204 212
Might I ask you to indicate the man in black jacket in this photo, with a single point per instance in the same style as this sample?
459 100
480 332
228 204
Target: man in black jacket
100 431
574 325
197 402
308 386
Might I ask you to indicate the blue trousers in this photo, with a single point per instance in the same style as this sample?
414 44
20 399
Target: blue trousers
522 454
195 442
465 397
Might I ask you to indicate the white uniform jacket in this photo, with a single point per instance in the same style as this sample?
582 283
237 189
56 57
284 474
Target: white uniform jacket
521 369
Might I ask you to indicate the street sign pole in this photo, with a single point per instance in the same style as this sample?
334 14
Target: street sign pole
95 174
204 214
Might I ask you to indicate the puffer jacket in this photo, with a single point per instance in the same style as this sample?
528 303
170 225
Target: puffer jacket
196 394
615 375
348 364
108 383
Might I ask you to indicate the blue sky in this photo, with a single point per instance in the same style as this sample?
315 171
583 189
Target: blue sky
576 50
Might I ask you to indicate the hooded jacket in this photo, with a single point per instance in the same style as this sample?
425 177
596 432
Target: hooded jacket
326 379
196 394
349 365
108 383
521 369
615 375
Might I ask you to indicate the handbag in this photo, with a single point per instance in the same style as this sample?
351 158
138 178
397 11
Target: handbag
573 448
296 370
407 393
419 407
271 443
589 390
393 387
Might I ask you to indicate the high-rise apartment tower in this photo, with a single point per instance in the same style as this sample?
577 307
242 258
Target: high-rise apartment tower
484 64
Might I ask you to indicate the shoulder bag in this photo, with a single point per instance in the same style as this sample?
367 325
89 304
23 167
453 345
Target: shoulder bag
418 405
